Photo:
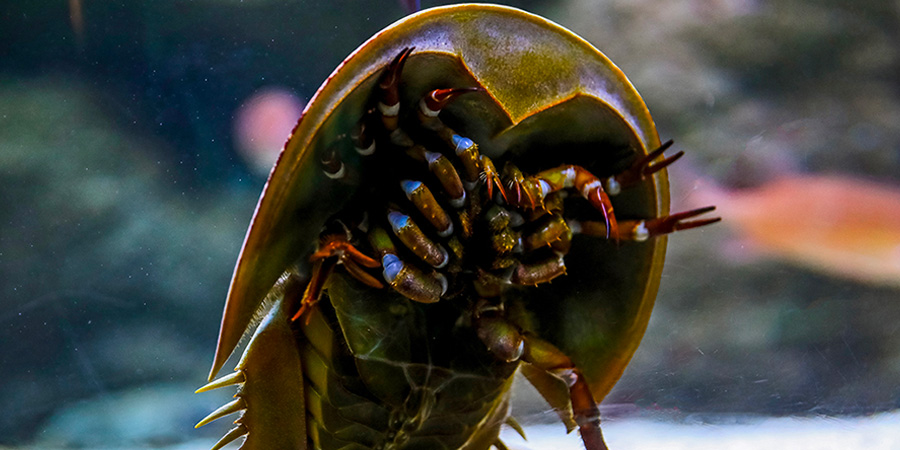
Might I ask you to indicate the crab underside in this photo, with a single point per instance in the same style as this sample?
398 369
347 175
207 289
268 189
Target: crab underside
454 248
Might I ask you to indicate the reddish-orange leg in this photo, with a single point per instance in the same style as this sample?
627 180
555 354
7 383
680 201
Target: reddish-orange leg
641 230
507 342
335 250
389 91
641 169
529 192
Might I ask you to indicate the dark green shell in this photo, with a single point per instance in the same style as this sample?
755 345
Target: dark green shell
550 98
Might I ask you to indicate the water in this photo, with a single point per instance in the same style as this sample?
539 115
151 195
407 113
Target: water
126 200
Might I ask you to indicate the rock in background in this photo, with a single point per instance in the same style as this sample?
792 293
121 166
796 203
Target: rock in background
754 90
125 203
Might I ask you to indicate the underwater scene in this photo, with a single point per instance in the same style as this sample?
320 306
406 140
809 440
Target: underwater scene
509 306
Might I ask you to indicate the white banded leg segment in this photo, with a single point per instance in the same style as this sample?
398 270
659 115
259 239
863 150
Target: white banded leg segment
590 187
428 112
332 165
389 110
613 187
367 151
570 176
363 142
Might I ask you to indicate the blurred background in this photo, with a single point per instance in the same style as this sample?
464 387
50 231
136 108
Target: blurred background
135 138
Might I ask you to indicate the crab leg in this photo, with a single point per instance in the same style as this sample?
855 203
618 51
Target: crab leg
550 231
540 272
414 239
420 196
340 247
467 152
334 248
477 167
320 273
332 164
407 279
522 191
490 177
529 192
641 169
443 171
389 91
360 274
547 357
641 230
509 343
432 103
363 141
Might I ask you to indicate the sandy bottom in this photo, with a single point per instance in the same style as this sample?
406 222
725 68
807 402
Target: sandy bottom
881 431
874 432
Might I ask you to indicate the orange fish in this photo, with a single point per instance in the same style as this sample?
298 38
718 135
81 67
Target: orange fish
839 225
263 124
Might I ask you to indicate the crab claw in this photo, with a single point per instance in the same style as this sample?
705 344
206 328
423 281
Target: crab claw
391 78
641 230
519 189
320 273
389 87
491 177
333 250
337 246
676 222
641 169
433 102
599 200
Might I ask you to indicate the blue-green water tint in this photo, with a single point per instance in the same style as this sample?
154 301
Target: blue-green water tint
125 204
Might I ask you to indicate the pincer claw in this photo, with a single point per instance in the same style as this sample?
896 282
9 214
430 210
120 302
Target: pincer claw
389 86
641 169
334 249
600 201
432 103
676 222
491 177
